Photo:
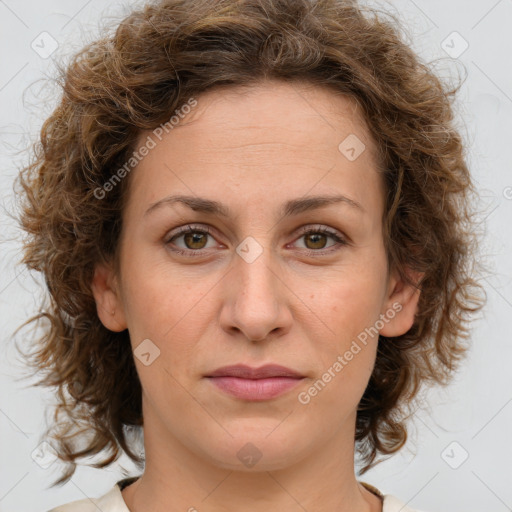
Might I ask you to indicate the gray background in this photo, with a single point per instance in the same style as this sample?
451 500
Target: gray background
471 418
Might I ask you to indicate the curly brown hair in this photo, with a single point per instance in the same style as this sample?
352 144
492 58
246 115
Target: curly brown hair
133 79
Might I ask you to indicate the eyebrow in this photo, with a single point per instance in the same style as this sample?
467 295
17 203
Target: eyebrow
291 207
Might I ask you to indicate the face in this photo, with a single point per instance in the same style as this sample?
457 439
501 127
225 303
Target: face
273 255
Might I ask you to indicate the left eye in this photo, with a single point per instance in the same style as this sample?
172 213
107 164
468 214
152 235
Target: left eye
317 239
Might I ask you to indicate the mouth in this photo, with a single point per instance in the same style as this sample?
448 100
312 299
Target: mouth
255 384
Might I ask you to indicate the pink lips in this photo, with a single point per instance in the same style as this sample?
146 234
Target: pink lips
255 384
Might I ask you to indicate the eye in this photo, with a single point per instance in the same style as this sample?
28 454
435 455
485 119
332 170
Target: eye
317 239
189 239
192 240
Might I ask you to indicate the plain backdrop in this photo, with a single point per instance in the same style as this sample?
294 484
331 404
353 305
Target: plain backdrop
458 457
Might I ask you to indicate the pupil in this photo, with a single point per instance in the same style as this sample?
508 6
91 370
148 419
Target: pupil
318 240
195 238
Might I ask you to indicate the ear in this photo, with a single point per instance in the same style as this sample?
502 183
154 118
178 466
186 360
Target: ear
108 302
401 304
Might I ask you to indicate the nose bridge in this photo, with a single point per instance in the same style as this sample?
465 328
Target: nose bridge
257 279
257 303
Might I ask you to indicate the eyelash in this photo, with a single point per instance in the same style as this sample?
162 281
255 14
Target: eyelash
204 229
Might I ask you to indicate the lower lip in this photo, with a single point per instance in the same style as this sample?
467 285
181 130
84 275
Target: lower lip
255 389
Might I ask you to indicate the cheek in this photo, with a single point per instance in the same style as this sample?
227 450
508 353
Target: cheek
347 355
349 306
352 301
165 307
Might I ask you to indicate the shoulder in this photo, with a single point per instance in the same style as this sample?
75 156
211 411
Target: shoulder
390 503
112 501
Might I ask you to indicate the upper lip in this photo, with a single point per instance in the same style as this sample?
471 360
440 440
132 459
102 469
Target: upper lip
246 372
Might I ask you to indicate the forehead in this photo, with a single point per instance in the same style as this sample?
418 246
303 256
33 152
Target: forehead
277 108
274 134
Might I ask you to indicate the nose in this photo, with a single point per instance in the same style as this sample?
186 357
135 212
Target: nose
256 300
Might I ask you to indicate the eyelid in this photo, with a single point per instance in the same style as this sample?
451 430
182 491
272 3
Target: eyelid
320 228
188 228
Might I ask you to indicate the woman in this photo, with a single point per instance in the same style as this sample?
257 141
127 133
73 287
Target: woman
253 219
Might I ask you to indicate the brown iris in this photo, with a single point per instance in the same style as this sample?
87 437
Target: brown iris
318 240
195 240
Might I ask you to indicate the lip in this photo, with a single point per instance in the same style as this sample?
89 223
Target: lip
243 371
255 384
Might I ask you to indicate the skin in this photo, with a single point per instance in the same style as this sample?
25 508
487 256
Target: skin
300 304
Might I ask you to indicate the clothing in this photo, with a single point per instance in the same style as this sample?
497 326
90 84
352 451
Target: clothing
113 501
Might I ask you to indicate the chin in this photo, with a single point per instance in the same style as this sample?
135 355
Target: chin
257 450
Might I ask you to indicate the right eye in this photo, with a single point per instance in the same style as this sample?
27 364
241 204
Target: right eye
189 239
